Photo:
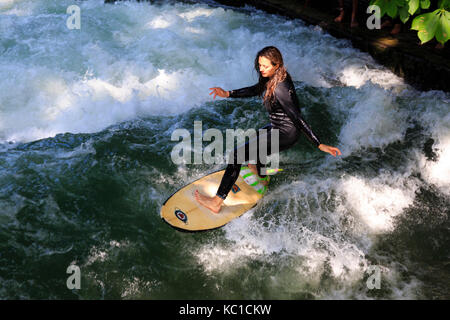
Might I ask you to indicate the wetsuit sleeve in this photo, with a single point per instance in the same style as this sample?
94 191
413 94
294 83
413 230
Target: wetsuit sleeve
289 103
246 92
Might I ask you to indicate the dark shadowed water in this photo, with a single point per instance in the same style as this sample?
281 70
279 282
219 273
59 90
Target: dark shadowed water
86 118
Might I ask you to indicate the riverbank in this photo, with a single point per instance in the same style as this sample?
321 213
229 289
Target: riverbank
422 66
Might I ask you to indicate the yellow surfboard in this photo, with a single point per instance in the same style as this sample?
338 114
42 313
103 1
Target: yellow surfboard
182 211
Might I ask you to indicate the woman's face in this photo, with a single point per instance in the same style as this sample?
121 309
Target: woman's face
266 68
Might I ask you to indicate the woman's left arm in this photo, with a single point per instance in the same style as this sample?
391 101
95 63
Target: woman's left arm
287 98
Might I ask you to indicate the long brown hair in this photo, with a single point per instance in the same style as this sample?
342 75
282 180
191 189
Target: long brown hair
275 57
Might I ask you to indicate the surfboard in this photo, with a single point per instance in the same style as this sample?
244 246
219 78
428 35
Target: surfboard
182 211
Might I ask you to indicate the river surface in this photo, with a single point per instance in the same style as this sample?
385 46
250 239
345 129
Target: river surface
86 117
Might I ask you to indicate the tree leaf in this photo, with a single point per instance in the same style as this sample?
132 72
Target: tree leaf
404 14
444 4
418 23
424 4
443 29
392 9
381 4
426 24
413 6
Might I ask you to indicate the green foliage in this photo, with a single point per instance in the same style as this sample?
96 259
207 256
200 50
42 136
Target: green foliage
429 25
404 14
389 6
433 24
444 4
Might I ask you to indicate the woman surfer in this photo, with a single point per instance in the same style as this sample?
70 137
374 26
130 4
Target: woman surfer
282 104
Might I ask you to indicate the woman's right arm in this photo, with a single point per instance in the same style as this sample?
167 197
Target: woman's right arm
238 93
246 92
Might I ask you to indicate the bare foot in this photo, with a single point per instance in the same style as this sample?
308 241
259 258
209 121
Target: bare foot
385 24
396 29
253 168
212 203
354 24
340 17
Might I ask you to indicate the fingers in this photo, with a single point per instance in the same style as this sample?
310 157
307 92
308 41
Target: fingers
336 151
332 150
215 90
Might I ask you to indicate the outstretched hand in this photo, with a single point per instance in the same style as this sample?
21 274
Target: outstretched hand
219 92
331 150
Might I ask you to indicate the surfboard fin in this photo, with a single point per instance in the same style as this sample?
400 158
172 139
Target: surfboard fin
273 171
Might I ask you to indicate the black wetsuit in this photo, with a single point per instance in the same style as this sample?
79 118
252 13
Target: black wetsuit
284 113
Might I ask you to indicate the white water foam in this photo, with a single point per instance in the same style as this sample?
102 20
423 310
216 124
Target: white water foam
136 59
435 116
377 201
438 172
373 121
318 230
